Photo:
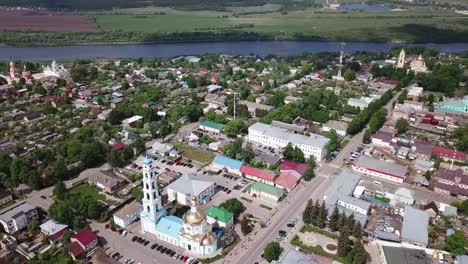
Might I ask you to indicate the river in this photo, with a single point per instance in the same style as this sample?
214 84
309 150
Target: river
261 48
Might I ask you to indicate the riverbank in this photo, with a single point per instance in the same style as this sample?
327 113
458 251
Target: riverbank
260 48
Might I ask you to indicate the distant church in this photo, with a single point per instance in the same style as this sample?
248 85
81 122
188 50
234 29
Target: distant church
417 65
191 232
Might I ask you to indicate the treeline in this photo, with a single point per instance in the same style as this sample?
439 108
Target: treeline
361 120
13 38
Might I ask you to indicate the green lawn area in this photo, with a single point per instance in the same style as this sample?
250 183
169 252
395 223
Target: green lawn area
409 25
84 190
194 154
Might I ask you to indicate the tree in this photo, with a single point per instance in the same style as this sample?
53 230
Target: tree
456 243
61 212
272 251
334 218
293 153
60 190
357 231
233 149
248 154
349 75
307 214
401 125
322 215
234 127
359 254
344 243
33 226
332 145
245 226
309 174
233 205
366 139
314 215
115 159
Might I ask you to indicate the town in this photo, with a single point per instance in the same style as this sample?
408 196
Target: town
321 158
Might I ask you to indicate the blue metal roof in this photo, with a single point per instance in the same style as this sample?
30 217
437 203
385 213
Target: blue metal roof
170 226
228 162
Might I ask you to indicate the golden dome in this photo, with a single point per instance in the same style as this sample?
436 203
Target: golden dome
209 239
194 217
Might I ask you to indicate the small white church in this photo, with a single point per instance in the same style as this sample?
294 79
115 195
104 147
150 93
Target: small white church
191 232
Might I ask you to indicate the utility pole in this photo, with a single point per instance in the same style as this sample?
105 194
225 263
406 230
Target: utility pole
235 105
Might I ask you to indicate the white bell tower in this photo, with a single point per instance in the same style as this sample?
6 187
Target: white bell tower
152 206
401 59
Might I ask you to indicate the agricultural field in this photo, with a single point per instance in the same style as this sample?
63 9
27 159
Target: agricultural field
409 25
45 21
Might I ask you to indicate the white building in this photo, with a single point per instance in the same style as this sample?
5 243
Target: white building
361 102
56 70
402 196
17 217
188 186
127 214
380 169
278 138
51 228
339 126
191 233
419 65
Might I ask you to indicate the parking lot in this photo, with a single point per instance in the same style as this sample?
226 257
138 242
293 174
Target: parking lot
138 248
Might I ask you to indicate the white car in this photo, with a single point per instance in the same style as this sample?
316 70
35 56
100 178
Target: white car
124 233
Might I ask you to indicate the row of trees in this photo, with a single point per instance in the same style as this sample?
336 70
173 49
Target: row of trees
376 122
360 121
315 214
293 153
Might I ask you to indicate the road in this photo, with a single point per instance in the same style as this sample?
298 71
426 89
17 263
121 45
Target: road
251 250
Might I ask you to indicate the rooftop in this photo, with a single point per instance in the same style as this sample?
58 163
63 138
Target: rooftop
415 225
170 226
128 209
219 213
258 173
85 237
401 255
313 140
290 127
288 179
10 212
381 166
228 162
212 124
295 257
336 125
266 188
51 227
191 184
300 168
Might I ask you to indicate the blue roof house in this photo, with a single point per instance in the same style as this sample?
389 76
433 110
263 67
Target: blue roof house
226 164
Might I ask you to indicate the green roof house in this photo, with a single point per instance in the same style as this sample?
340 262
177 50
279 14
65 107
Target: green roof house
219 215
265 191
211 126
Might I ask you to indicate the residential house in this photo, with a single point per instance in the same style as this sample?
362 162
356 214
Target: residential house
288 179
253 107
266 159
361 103
415 93
33 116
382 140
449 154
450 182
5 197
53 229
81 243
339 126
106 181
128 214
17 217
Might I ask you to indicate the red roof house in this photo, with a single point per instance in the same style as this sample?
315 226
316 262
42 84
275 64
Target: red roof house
288 179
449 154
75 250
118 146
86 238
300 168
257 174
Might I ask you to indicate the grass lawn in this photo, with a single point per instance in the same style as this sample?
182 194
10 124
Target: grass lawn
83 190
194 154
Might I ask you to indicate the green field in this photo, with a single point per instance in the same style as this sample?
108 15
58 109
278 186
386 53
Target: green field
410 25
